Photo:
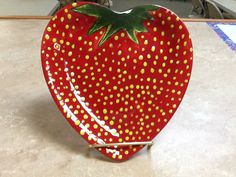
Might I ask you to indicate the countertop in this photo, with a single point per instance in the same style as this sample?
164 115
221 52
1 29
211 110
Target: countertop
35 139
27 7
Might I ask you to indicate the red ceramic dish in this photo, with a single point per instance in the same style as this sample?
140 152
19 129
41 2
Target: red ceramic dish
117 77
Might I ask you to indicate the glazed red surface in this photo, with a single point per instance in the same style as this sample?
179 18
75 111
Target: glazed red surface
134 88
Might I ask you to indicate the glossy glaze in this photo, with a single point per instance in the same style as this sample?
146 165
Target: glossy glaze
117 88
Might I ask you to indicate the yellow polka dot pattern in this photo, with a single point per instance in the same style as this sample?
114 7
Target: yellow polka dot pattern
131 90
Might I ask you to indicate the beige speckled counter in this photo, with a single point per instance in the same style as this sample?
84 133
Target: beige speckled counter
36 141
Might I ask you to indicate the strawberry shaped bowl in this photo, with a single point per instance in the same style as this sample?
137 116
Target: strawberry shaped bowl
117 77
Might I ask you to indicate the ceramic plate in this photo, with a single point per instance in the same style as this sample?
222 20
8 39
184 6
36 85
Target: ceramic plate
117 77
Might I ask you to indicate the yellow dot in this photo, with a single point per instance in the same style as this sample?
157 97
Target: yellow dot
62 19
163 33
82 132
152 70
74 4
77 122
122 34
165 57
120 140
146 42
180 27
111 122
126 130
104 111
90 43
87 57
126 152
67 26
61 42
153 48
145 64
69 53
49 29
95 126
107 82
140 57
116 38
85 116
47 36
54 40
106 117
142 71
69 16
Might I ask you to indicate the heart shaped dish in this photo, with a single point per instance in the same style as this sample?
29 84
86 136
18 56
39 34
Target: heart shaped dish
117 77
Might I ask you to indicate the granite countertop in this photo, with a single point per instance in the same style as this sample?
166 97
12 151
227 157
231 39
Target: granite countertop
35 139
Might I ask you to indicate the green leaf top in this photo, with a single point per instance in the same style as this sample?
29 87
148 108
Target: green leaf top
131 21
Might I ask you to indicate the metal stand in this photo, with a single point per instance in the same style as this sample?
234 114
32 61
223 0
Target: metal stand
148 143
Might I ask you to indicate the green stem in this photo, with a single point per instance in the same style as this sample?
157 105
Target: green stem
132 21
